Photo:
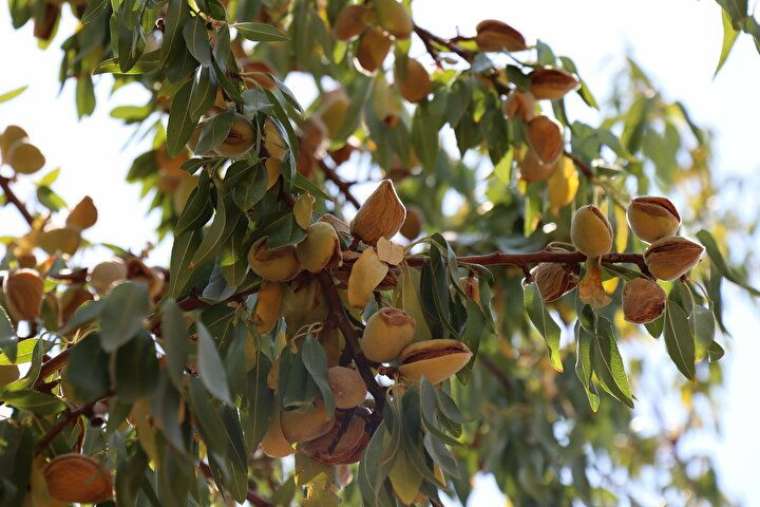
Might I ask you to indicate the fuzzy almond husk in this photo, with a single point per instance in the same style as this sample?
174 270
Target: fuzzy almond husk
343 444
653 218
520 105
320 248
105 274
671 258
366 274
495 35
83 215
274 444
273 168
23 289
562 185
339 225
332 111
591 232
276 265
303 304
394 18
555 280
532 168
643 300
381 215
387 333
551 84
347 386
268 306
240 139
545 137
350 22
412 226
372 49
78 478
412 80
436 360
304 425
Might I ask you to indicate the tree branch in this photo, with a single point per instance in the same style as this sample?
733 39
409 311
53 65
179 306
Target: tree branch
342 185
349 332
13 199
69 418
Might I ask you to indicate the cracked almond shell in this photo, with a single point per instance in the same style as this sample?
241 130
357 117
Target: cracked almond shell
343 444
643 301
671 258
381 215
347 386
653 218
436 360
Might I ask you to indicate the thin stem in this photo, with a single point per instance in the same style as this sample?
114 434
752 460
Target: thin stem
342 185
338 313
5 184
69 418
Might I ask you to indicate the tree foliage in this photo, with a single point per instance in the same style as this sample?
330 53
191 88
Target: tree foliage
507 329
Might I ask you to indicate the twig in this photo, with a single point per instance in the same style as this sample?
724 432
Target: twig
585 169
428 38
70 417
338 313
13 199
342 185
51 365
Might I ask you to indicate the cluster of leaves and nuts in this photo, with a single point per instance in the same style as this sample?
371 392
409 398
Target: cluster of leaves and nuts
392 369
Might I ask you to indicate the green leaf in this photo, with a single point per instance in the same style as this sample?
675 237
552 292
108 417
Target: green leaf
251 187
207 415
711 246
215 131
136 368
34 401
124 310
608 364
729 38
213 235
210 367
85 96
315 361
259 403
83 315
198 208
50 199
94 9
172 43
544 324
260 32
87 371
181 125
196 40
12 94
583 368
174 332
204 92
24 352
148 62
8 338
183 249
679 338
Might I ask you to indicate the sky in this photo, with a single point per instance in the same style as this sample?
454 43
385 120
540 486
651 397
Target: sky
676 41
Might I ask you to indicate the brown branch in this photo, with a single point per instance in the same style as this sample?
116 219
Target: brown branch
349 332
10 196
428 38
342 185
69 418
533 258
52 365
253 497
585 169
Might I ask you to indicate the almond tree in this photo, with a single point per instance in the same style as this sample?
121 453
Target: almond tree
305 346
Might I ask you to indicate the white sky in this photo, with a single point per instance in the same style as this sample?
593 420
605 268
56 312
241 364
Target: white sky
676 41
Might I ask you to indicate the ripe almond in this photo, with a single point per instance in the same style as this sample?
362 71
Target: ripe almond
77 478
653 218
436 360
533 169
274 444
671 258
304 425
555 280
350 22
347 387
268 306
240 139
643 300
320 248
333 110
366 274
381 215
344 443
562 185
520 105
372 49
105 274
386 334
412 225
394 18
494 35
412 80
276 265
545 137
23 291
551 84
591 232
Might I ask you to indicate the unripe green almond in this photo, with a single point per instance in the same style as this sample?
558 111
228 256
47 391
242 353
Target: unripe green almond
388 331
320 248
277 265
393 16
435 360
671 258
591 232
653 218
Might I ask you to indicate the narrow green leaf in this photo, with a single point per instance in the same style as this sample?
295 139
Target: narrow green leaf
263 32
124 310
583 368
12 94
135 368
729 38
196 40
212 237
608 363
174 332
315 361
210 367
679 339
544 324
8 338
181 125
87 371
215 131
179 265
